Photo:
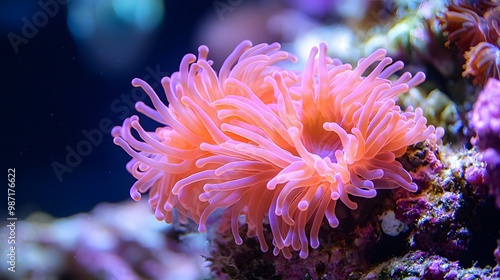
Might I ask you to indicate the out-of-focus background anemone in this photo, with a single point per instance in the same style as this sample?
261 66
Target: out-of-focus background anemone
66 72
474 27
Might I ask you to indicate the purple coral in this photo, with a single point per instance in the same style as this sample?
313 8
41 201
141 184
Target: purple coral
422 265
439 231
486 122
475 175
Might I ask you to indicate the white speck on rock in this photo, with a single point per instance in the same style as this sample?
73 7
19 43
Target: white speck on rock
390 225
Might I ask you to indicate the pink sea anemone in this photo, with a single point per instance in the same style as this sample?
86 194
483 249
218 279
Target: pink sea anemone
270 144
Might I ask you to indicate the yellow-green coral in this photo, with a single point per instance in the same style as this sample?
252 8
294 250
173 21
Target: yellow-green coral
437 107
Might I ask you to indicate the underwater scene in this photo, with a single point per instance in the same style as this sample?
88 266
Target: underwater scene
250 139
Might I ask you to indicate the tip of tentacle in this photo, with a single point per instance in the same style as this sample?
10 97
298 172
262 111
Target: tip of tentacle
135 195
115 132
137 82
